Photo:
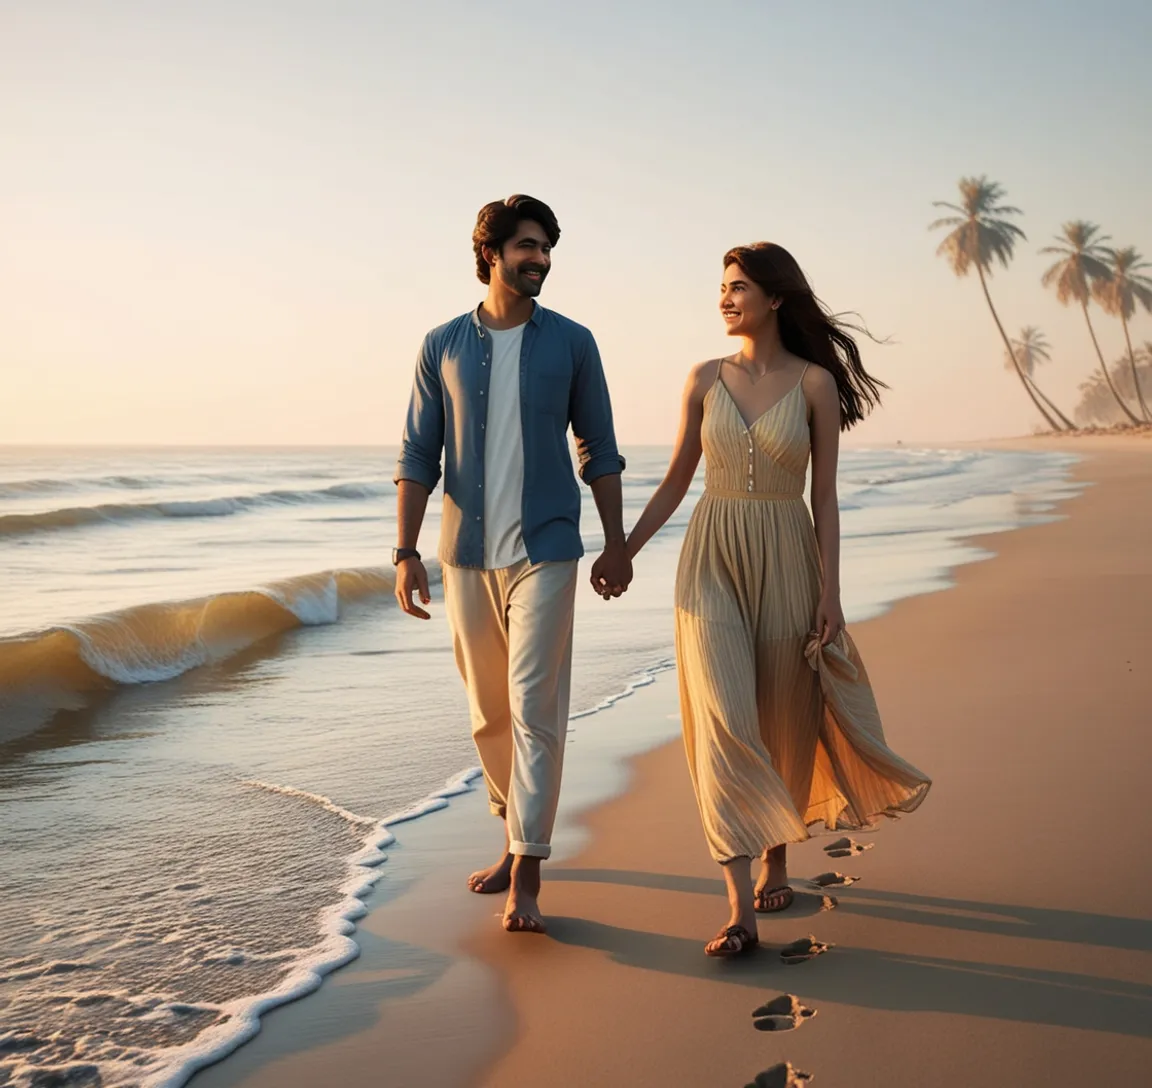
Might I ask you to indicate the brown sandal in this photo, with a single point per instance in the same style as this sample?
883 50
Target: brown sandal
737 942
765 897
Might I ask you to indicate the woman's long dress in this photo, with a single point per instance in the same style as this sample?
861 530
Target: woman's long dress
779 733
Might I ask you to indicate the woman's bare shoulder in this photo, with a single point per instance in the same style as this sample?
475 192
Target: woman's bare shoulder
819 382
703 376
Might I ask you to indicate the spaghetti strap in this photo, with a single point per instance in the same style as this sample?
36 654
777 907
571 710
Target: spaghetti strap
716 375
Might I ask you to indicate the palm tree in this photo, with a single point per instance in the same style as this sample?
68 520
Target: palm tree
1118 295
1029 350
980 234
1082 266
1097 405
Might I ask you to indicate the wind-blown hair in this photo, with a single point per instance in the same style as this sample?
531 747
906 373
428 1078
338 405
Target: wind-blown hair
808 329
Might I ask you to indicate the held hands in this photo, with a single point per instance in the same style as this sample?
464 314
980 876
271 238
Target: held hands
829 619
612 572
410 578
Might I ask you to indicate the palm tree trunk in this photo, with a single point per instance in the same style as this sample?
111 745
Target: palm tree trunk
1052 407
1012 354
1135 372
1040 393
1103 366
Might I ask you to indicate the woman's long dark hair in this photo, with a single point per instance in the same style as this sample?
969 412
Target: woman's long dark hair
809 329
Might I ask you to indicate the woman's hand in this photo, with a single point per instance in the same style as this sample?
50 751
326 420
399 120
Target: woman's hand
829 619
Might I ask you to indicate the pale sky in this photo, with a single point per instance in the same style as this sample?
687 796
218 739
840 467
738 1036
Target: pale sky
232 222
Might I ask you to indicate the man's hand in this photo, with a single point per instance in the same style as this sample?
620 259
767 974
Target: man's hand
612 572
410 578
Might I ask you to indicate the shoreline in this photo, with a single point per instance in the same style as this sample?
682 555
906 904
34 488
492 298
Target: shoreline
461 964
410 979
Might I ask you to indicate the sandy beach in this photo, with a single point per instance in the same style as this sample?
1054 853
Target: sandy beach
1002 934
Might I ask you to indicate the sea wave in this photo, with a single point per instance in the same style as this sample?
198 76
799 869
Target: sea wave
54 485
905 475
62 666
73 517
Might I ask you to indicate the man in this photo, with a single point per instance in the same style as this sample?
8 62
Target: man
495 392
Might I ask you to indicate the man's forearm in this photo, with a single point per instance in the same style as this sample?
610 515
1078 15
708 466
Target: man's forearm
609 495
411 503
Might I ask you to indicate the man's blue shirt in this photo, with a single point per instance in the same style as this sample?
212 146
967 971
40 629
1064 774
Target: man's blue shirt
561 383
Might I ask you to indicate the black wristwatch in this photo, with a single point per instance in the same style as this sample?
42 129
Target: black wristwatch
400 554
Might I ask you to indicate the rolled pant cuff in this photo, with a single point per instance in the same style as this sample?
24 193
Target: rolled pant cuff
530 849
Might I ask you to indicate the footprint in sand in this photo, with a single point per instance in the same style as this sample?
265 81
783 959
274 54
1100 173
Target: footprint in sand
780 1076
847 848
803 950
834 880
783 1013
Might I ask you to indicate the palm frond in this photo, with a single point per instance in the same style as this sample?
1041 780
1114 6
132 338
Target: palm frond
1094 268
981 234
1082 271
1126 286
1029 350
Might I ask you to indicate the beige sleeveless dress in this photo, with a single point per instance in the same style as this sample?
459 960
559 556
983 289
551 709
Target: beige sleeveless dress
779 733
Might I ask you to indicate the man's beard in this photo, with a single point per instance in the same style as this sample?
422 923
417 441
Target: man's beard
515 278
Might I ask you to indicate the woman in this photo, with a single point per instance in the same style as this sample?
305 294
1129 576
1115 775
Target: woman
780 726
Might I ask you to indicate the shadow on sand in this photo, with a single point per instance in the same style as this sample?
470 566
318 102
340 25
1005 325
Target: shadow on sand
1000 919
894 981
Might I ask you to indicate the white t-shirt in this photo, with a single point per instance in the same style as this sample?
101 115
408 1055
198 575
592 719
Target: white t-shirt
504 454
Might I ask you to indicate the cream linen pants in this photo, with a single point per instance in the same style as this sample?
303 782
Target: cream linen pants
512 634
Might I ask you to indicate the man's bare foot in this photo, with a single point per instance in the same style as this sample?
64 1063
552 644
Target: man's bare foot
772 891
496 878
522 912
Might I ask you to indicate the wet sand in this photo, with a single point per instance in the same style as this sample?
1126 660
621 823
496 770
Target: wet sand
1002 934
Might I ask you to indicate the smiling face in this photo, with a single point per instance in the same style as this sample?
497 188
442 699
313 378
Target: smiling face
525 260
744 305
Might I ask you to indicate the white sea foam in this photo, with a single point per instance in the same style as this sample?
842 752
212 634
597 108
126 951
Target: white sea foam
172 1067
642 681
325 803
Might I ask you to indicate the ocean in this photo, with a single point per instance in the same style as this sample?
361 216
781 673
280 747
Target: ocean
212 714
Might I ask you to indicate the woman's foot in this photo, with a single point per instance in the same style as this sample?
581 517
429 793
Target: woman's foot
735 939
773 900
739 936
772 890
496 878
